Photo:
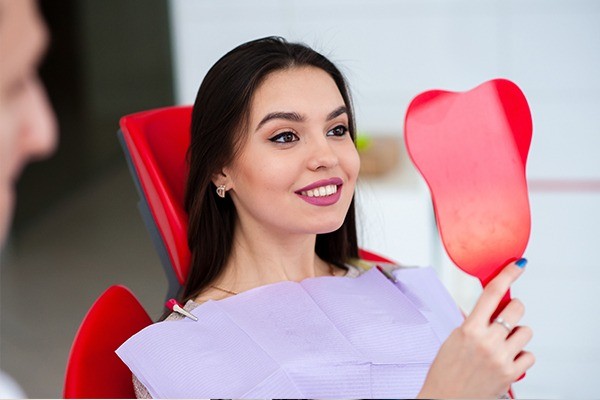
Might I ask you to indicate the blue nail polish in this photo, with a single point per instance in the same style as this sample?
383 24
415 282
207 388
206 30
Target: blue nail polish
521 263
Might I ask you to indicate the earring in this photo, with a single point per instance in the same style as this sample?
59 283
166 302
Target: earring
221 191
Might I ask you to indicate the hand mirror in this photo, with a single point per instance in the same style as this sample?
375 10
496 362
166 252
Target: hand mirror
471 147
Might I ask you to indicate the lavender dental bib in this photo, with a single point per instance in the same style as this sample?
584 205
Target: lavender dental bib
363 337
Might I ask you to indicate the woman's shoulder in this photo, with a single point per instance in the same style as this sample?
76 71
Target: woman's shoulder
141 391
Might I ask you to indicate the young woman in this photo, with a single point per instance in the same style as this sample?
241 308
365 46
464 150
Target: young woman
273 167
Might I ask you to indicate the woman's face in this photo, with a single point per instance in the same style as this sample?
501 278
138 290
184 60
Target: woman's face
297 168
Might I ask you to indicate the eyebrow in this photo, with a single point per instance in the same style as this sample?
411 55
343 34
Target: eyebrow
295 117
337 112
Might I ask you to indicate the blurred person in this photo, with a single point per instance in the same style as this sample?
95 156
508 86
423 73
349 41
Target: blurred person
27 122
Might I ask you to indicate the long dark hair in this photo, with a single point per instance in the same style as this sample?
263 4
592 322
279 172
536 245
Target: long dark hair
220 113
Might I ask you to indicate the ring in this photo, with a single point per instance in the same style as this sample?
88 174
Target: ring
505 324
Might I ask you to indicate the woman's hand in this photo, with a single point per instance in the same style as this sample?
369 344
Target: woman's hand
482 358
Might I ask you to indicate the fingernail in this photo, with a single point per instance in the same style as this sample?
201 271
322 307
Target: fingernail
521 262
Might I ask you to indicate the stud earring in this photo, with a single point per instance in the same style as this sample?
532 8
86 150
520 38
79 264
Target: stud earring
221 191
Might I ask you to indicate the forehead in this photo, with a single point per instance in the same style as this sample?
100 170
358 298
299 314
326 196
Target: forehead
306 90
23 37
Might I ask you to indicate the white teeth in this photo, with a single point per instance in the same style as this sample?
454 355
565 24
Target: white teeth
320 191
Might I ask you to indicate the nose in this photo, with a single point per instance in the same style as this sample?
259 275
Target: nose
38 135
322 155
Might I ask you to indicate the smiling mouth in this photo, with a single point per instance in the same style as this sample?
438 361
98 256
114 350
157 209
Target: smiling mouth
321 191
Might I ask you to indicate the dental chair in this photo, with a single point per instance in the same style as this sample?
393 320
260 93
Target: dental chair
155 144
93 368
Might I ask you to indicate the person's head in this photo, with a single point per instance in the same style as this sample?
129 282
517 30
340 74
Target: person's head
27 125
271 119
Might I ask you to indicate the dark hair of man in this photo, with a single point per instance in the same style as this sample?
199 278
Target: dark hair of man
219 120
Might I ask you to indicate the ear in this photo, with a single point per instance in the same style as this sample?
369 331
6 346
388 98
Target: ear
222 178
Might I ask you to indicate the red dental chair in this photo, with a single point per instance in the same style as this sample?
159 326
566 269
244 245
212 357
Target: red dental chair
155 144
93 369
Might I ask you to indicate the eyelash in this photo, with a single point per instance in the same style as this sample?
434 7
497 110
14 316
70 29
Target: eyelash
342 127
280 138
277 138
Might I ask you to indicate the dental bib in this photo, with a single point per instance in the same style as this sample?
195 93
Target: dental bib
325 337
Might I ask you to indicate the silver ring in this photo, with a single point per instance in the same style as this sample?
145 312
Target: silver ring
505 324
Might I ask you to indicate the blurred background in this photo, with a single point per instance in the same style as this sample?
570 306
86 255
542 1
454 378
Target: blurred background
77 228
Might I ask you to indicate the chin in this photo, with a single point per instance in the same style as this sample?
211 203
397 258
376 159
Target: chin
328 227
331 222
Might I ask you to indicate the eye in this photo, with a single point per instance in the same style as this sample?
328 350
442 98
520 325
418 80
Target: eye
339 130
284 137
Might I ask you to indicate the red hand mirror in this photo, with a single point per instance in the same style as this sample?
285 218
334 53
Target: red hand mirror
471 148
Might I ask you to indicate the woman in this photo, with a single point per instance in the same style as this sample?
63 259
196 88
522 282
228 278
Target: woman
270 192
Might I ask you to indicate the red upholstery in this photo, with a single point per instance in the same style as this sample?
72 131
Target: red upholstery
157 141
93 368
370 256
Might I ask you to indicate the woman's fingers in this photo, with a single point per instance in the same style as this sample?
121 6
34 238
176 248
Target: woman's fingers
508 318
481 358
523 362
495 290
518 340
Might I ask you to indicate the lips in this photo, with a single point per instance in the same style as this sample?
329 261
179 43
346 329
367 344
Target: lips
322 193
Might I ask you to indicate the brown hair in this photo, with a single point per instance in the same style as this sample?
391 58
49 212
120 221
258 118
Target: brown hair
221 109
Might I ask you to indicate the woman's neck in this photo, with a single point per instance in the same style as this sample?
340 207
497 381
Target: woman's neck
261 258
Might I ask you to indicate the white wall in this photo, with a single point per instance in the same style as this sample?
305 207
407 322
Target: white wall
391 51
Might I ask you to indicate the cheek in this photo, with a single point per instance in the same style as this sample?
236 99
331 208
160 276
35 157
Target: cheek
350 162
267 172
261 190
259 180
